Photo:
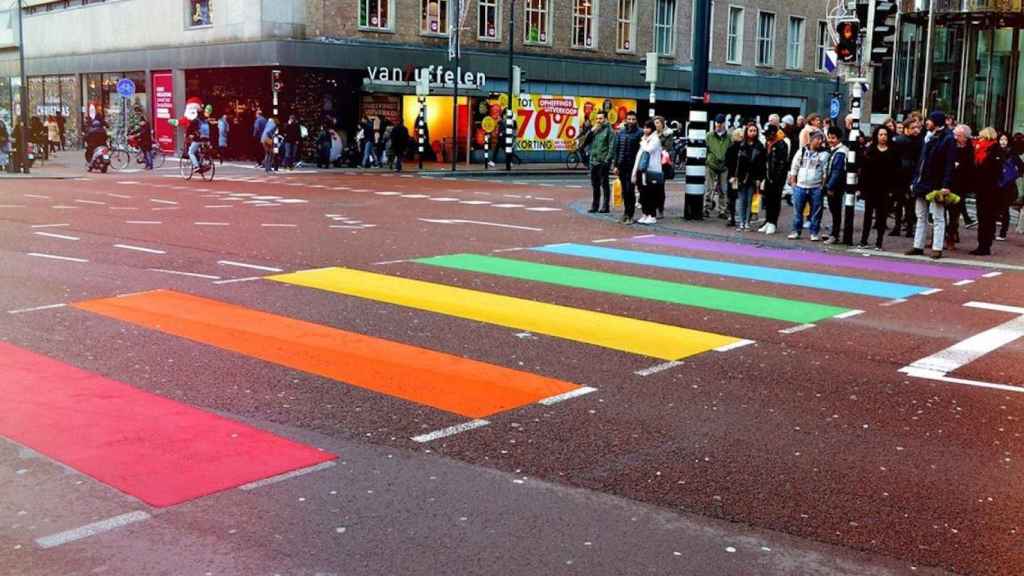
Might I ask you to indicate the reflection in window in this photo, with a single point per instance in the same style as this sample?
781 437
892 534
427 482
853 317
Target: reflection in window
434 17
199 13
487 15
374 14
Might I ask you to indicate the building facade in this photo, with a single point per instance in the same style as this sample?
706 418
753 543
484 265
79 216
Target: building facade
346 58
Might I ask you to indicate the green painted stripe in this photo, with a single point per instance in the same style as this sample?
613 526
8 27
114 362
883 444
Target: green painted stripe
795 311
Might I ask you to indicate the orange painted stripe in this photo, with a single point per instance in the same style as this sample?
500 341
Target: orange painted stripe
451 383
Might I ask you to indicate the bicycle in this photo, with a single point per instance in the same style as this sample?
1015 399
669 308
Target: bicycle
121 157
207 169
576 159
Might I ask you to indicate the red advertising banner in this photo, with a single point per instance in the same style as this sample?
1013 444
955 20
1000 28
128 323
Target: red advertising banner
163 110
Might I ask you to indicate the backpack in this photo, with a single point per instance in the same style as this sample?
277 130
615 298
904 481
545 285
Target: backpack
1009 174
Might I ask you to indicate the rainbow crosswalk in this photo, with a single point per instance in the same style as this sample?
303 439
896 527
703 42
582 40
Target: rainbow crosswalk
477 389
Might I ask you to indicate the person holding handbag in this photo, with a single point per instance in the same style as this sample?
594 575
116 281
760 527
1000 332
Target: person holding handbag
751 165
647 174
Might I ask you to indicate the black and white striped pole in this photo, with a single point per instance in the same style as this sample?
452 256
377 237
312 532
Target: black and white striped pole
697 127
510 136
422 90
487 150
853 143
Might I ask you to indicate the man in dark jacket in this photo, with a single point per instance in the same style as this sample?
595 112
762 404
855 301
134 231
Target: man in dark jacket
259 124
908 146
934 173
835 182
399 141
600 161
624 150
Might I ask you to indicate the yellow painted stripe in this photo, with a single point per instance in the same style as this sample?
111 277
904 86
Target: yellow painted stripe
615 332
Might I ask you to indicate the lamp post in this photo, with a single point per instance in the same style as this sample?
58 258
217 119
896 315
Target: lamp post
22 95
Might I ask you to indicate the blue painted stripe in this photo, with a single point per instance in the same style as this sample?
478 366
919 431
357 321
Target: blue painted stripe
887 290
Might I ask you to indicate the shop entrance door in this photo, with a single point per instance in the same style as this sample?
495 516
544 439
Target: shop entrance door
991 78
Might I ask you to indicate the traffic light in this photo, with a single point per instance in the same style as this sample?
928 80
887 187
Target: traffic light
517 80
883 32
846 47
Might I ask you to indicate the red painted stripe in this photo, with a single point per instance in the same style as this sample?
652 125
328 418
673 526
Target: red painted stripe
157 450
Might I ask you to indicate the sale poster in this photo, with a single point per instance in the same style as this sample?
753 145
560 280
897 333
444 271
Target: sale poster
163 110
553 122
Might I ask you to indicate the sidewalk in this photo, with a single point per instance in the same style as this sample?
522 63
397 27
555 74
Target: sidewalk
1008 254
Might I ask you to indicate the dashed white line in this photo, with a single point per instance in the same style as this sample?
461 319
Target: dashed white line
237 280
386 262
251 266
180 273
551 400
122 196
734 345
58 236
159 201
450 431
848 314
139 249
55 257
795 329
36 308
36 196
286 476
932 291
992 275
544 209
50 225
143 222
93 529
220 206
95 202
212 223
605 240
996 307
279 225
963 283
893 302
658 368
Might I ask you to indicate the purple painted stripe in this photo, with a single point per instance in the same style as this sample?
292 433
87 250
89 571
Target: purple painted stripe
872 263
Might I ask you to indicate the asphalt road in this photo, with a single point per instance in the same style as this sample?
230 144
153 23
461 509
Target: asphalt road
799 448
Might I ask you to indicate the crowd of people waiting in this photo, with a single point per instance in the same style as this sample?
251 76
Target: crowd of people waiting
918 173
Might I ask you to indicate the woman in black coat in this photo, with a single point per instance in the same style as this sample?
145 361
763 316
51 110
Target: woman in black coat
731 166
879 178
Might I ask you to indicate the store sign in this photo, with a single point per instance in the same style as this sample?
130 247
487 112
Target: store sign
382 105
553 122
438 75
163 110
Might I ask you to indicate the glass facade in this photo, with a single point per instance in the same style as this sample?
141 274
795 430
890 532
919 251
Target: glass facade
48 96
101 100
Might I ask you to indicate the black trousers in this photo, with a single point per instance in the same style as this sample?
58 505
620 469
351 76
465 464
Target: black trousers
986 222
652 198
772 197
601 186
628 193
835 207
875 212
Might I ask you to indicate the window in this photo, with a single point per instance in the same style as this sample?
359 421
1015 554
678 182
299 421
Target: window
375 14
538 22
822 46
199 13
584 14
434 17
487 25
765 39
734 41
626 26
795 44
665 27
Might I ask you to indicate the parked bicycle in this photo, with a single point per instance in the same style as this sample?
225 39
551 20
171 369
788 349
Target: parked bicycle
576 159
121 157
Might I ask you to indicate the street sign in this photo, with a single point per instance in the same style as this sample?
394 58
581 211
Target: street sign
126 88
834 107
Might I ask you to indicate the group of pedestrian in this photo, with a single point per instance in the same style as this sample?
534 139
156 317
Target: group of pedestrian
382 142
638 157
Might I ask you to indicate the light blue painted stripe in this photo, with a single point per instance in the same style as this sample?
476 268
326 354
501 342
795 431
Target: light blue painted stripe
875 288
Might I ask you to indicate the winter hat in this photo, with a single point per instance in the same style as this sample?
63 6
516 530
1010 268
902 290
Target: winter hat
787 120
720 119
938 118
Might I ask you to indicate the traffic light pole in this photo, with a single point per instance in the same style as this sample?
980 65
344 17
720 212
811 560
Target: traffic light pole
697 127
852 160
510 133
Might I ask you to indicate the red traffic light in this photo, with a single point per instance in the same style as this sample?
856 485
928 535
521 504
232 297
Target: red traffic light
849 34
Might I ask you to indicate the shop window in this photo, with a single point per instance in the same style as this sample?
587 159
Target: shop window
538 22
375 14
765 39
734 38
626 28
434 17
795 44
488 19
664 27
199 13
584 15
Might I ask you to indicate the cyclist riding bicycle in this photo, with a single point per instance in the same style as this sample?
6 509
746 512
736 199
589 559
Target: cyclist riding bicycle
198 134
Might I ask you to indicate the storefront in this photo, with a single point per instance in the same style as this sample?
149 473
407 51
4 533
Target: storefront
976 71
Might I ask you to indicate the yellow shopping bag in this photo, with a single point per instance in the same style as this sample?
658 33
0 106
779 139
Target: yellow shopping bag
755 204
617 193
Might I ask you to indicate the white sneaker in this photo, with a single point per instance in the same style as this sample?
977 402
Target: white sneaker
794 236
815 237
770 229
490 164
764 228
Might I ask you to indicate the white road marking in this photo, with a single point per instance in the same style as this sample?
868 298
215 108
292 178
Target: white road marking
93 529
963 283
932 291
495 224
293 201
139 249
975 263
795 329
992 275
605 240
252 266
544 209
644 236
179 273
893 302
212 223
279 225
941 377
450 431
220 206
36 309
444 199
384 193
474 202
734 345
551 400
969 350
347 227
386 262
658 368
236 280
544 198
287 476
143 222
95 202
848 314
996 307
507 205
508 250
415 196
123 208
166 208
36 196
123 196
59 236
55 257
134 182
159 201
50 225
268 197
511 196
55 207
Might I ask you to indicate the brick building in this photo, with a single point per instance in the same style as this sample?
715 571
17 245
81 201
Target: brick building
344 58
